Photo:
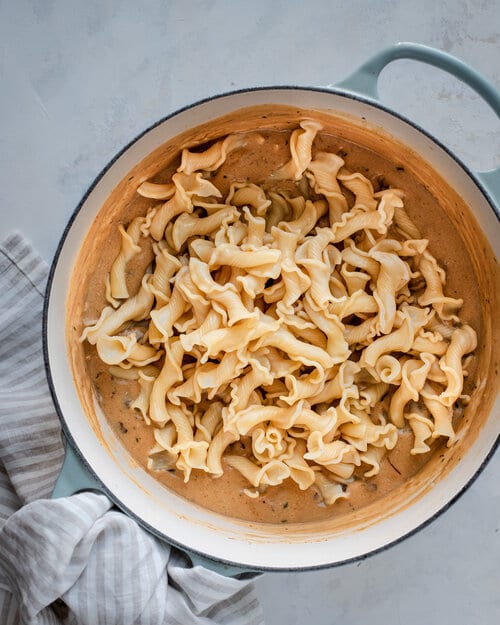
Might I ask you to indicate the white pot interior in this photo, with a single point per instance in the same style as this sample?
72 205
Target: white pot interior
223 538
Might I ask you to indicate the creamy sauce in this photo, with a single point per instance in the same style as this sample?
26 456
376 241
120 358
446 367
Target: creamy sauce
285 503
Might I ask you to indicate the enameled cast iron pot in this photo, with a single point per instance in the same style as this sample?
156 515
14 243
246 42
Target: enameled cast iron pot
225 543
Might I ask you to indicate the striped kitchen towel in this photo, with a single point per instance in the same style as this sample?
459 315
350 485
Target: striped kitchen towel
75 560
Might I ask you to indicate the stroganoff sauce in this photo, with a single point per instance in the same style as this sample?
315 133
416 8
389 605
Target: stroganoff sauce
266 151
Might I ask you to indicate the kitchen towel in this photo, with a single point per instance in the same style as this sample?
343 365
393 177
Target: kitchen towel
77 560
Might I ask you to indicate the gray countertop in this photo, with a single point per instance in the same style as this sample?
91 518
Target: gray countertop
80 79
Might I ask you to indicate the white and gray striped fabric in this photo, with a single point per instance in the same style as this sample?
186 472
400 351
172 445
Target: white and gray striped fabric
75 560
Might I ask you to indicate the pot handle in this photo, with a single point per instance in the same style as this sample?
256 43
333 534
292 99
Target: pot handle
218 567
364 81
76 477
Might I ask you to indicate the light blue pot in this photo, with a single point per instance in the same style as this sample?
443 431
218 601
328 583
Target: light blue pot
227 545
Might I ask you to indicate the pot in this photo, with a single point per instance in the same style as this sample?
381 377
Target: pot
95 459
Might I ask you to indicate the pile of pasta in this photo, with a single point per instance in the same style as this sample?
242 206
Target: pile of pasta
314 328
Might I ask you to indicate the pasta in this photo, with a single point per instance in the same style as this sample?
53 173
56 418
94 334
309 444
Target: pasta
310 327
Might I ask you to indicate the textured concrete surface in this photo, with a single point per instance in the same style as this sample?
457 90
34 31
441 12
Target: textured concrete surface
80 79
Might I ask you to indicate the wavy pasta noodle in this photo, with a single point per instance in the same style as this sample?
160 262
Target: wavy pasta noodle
291 330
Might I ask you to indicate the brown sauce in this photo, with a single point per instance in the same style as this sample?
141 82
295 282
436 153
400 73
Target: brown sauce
285 503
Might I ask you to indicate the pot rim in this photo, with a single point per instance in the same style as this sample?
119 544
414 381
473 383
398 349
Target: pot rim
66 429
